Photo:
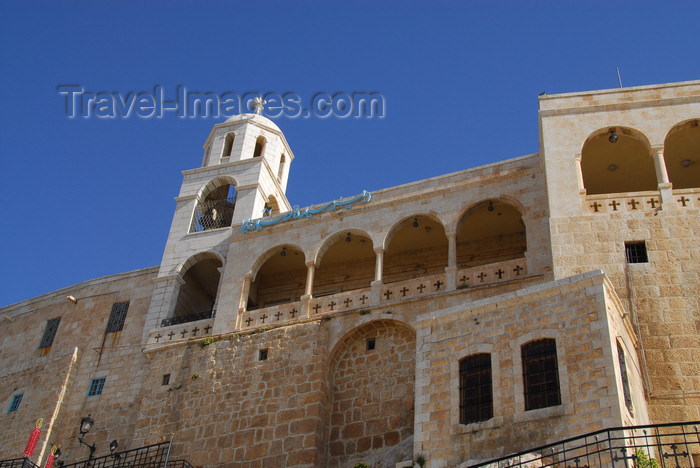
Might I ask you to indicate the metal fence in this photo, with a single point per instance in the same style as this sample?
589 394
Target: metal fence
152 456
186 318
18 463
670 445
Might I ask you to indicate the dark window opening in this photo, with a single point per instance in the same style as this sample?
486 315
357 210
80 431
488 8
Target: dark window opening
166 379
540 374
96 386
117 317
263 355
371 343
228 145
259 147
625 380
636 252
16 400
475 389
49 333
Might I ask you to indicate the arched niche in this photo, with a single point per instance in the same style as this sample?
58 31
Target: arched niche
280 278
489 232
617 160
416 246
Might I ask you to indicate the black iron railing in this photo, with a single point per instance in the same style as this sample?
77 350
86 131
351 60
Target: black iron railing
186 318
152 456
671 445
18 463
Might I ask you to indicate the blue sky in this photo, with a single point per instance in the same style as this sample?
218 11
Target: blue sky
85 198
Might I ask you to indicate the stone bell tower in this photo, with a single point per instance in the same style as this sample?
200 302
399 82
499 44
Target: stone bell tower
243 176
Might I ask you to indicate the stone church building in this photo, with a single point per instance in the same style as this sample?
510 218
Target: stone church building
446 322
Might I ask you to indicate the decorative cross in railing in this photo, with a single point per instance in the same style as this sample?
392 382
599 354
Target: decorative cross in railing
263 318
194 331
278 315
158 337
481 276
683 200
388 294
293 312
316 307
363 299
332 305
633 203
420 288
437 285
517 270
595 206
404 290
652 201
183 332
207 329
614 204
347 302
249 320
170 335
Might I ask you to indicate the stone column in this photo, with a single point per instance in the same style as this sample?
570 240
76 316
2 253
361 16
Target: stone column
306 298
579 176
664 185
376 293
451 270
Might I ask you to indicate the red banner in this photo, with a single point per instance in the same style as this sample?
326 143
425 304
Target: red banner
33 439
49 460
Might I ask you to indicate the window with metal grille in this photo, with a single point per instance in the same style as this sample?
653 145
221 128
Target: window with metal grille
636 252
475 389
625 380
49 333
540 374
96 386
262 355
117 317
16 400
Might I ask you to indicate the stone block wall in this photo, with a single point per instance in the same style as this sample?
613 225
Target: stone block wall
571 311
663 293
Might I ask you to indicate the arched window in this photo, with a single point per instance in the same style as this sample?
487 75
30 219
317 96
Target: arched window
228 145
346 262
475 389
215 210
259 147
280 171
540 374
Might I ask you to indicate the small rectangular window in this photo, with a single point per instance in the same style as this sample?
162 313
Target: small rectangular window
263 355
636 252
49 333
96 386
117 317
166 379
371 344
16 400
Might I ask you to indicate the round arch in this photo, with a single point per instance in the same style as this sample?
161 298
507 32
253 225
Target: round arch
415 246
344 262
682 154
371 376
198 291
490 231
617 159
277 277
216 201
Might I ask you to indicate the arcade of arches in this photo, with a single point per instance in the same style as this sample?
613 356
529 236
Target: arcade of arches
489 232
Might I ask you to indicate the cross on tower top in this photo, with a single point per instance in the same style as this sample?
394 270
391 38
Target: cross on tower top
259 104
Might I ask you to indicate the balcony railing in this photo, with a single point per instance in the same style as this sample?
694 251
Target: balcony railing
18 463
152 456
671 445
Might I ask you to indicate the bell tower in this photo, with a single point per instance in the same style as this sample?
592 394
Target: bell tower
243 176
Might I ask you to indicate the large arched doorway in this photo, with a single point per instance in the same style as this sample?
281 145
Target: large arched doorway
371 377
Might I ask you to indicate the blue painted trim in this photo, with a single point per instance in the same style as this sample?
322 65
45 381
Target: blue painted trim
296 213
